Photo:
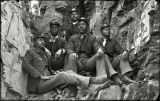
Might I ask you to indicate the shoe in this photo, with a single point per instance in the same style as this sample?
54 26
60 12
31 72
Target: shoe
126 79
98 80
117 80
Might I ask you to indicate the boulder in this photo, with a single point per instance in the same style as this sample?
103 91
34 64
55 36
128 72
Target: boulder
145 90
114 92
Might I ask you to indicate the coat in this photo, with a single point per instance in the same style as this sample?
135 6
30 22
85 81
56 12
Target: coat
35 62
89 45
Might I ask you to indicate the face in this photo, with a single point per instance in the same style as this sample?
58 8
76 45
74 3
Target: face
82 26
40 42
74 16
54 30
106 32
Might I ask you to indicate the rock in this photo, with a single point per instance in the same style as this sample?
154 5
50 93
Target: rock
148 90
114 92
47 96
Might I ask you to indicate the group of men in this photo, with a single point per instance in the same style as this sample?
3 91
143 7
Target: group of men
78 51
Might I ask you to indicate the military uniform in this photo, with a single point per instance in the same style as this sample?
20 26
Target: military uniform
35 63
87 59
72 27
114 50
54 44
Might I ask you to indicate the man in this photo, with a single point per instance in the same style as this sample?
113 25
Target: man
35 63
56 44
85 54
116 54
72 29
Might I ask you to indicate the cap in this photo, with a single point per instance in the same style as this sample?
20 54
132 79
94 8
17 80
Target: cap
39 36
74 10
105 25
54 23
83 19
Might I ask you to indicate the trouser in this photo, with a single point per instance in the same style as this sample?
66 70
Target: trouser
87 64
67 77
57 63
121 65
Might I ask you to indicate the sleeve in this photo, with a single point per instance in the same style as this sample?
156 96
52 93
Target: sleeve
70 46
68 34
118 48
96 45
26 65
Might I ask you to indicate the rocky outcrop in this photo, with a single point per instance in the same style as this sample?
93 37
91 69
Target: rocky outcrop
15 41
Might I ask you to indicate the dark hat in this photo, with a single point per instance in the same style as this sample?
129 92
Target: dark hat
83 19
74 10
104 25
54 23
39 36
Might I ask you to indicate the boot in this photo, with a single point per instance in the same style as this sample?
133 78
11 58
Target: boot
126 79
117 80
98 80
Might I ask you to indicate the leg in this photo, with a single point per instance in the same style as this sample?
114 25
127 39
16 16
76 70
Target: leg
68 77
123 65
58 63
109 68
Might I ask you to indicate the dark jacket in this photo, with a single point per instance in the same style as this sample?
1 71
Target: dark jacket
55 46
89 45
35 62
72 29
112 48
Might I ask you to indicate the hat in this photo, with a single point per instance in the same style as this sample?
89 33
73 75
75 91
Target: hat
54 23
74 10
39 36
105 25
83 19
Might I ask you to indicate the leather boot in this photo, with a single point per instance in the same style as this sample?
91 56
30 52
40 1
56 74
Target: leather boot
98 80
117 80
126 79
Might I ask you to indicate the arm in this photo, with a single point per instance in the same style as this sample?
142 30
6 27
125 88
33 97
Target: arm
26 65
96 46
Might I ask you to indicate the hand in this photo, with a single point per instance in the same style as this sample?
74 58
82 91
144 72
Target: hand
46 77
74 56
100 53
58 53
125 55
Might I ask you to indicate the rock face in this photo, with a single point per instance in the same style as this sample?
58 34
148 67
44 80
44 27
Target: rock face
114 92
148 90
15 42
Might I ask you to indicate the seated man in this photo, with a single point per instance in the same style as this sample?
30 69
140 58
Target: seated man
56 45
35 63
85 54
111 48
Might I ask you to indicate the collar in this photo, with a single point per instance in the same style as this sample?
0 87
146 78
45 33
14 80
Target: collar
107 39
74 23
53 39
